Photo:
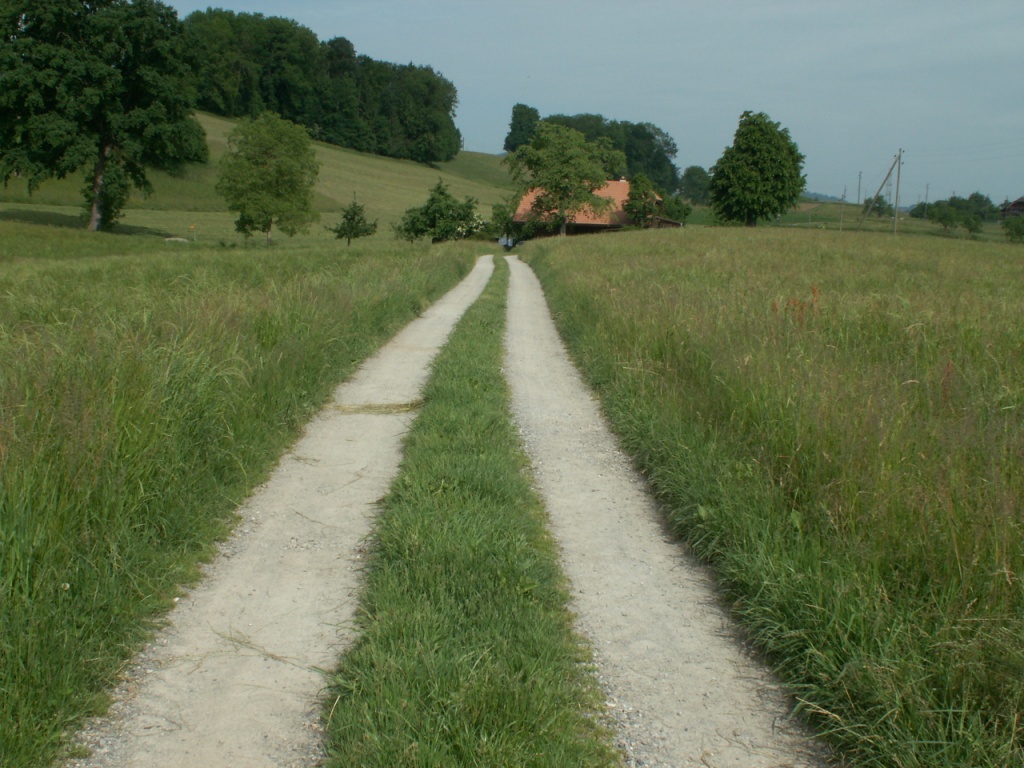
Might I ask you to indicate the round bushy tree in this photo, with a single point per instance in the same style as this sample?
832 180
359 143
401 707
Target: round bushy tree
524 124
694 185
642 203
102 87
353 223
760 175
1013 227
268 174
441 218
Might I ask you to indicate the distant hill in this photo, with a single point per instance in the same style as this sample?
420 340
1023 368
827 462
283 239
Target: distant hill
820 198
248 63
387 187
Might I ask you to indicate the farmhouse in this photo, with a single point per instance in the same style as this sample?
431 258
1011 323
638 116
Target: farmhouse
1016 208
612 218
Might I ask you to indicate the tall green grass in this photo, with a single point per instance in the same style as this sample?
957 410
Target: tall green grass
467 655
141 398
837 423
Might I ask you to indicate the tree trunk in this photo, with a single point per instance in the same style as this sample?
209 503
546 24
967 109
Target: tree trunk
752 221
270 226
95 214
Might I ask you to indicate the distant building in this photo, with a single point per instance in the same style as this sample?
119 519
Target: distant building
612 218
1016 208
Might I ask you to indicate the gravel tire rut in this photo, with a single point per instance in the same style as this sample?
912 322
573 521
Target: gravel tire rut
680 686
234 679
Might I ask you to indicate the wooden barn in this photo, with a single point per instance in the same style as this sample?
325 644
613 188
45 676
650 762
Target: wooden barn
1016 208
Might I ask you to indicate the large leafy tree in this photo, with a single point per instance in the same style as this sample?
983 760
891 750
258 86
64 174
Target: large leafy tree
267 176
102 86
566 170
694 185
642 202
522 127
760 175
1013 227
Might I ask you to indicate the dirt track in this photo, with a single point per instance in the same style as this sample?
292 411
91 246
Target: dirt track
233 680
679 684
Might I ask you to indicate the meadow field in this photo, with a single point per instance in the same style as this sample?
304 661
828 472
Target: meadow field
146 386
836 422
833 419
189 207
142 397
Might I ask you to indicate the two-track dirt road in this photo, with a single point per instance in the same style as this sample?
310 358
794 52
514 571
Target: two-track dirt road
233 680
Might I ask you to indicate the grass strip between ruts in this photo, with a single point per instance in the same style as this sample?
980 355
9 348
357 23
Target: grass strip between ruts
467 654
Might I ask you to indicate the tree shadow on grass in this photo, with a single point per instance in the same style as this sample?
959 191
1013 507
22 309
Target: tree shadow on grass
67 221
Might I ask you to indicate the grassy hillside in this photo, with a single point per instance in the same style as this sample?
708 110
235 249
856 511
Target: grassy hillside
385 186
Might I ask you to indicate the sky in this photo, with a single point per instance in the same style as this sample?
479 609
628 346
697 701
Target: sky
853 82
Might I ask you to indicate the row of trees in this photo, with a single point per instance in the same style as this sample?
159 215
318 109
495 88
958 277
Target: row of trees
758 177
968 212
268 174
645 147
110 86
247 64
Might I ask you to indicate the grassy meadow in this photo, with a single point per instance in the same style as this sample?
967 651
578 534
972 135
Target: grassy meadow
836 421
142 396
847 217
146 386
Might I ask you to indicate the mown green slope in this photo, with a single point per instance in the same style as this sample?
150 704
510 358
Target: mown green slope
385 186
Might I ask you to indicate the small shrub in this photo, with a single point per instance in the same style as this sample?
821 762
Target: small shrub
1013 226
353 223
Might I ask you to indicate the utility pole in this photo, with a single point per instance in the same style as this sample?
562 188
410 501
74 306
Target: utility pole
926 202
858 187
896 205
880 186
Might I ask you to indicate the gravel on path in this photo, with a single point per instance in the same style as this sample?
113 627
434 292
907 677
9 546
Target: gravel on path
235 678
680 686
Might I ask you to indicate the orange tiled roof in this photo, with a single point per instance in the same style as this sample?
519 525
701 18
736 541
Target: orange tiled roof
616 191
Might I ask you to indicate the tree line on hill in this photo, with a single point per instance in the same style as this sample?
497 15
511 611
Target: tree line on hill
109 88
968 212
247 63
